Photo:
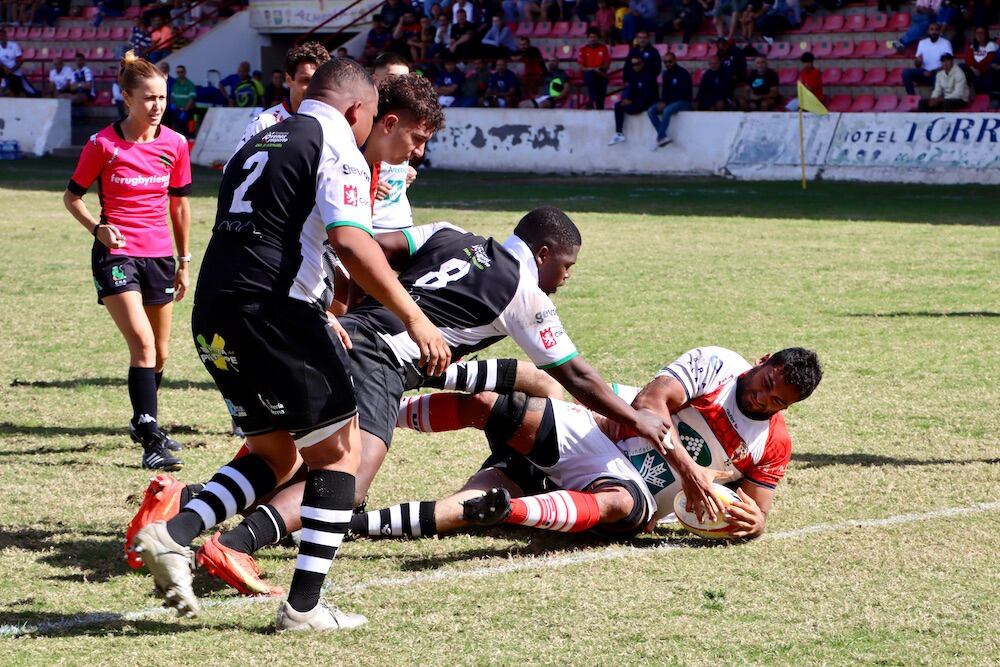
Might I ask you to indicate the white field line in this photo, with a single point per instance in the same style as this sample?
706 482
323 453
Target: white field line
543 562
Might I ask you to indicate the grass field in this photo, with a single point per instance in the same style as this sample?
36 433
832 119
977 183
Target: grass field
881 549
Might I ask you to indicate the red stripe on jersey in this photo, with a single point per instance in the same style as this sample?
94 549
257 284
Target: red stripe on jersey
376 170
777 453
715 416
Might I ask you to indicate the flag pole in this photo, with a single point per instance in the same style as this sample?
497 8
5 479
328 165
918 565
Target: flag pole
802 145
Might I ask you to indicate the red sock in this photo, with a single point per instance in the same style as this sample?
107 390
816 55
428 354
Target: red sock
565 511
244 450
430 413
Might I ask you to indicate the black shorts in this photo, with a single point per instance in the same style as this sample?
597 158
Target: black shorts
379 379
278 365
153 277
519 469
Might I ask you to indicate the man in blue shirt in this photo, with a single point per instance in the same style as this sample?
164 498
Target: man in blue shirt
715 93
646 51
641 16
504 88
675 96
448 82
640 93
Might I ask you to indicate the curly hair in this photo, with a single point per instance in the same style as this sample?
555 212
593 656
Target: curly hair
800 368
414 95
548 226
307 52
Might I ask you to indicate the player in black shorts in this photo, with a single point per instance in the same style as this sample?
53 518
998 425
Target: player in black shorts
261 331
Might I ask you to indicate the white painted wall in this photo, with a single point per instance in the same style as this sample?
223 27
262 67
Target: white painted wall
219 133
223 49
38 125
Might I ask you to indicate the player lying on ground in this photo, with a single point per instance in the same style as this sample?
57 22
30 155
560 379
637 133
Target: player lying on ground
556 466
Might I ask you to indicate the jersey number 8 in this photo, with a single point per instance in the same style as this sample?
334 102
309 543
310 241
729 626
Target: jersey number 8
450 271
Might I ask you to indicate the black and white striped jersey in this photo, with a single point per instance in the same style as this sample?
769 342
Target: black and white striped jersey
476 291
280 193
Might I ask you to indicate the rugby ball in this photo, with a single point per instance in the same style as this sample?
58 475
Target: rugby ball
718 529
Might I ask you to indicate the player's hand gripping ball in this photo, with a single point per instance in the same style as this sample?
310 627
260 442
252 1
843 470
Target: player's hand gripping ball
720 529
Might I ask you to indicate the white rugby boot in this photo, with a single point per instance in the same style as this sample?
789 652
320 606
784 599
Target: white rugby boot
170 564
320 618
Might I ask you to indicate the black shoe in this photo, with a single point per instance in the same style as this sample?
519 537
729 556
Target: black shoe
487 510
156 457
167 441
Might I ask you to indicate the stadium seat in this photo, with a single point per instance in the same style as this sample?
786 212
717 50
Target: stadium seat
831 76
762 48
75 34
822 48
28 53
560 29
575 74
834 23
662 49
45 53
680 50
101 53
909 103
839 103
103 98
843 48
876 23
886 49
48 33
780 50
103 34
578 29
619 51
894 77
34 33
887 103
566 52
19 34
542 29
697 51
133 12
875 76
68 54
89 34
862 103
62 34
787 76
524 29
853 76
811 25
548 52
866 49
980 104
696 77
855 23
799 46
118 35
89 13
899 22
612 101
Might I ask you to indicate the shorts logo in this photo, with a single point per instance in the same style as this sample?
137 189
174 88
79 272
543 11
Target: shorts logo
548 338
118 275
350 195
216 353
273 408
235 410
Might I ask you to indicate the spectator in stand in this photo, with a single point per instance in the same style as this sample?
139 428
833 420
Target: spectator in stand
981 12
163 37
951 90
732 59
275 92
140 39
504 89
749 17
242 90
477 82
82 88
638 96
11 60
467 7
687 18
727 10
460 37
716 91
449 82
118 100
442 38
980 59
763 93
952 21
498 41
421 45
778 17
391 12
604 19
60 78
928 60
378 38
643 49
168 112
924 14
406 32
555 91
521 10
534 64
594 60
342 53
182 100
641 16
811 78
108 9
675 96
887 5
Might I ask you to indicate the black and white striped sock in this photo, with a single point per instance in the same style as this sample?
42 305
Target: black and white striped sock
479 375
411 520
327 506
234 487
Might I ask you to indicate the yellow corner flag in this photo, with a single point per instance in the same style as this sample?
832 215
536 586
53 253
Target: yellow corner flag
809 102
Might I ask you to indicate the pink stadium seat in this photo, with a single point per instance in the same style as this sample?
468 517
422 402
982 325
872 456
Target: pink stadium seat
19 34
876 23
762 48
75 34
48 33
822 48
560 29
524 29
103 98
69 54
578 29
811 25
780 50
885 49
843 48
662 49
548 51
899 22
118 35
894 77
89 34
862 103
44 53
875 76
909 103
680 50
542 29
887 103
865 49
853 76
834 23
28 53
980 104
62 34
831 76
855 23
574 74
103 34
839 103
787 76
799 47
89 13
566 52
101 53
619 51
698 51
132 12
34 33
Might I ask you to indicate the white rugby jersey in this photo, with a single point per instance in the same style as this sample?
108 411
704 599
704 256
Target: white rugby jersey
393 213
264 120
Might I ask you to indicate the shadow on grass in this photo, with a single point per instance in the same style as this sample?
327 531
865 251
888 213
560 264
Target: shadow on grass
928 313
91 555
77 383
9 428
814 460
101 623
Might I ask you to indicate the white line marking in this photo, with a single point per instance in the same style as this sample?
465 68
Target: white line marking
543 562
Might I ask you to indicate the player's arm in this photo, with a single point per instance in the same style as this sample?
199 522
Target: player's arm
749 513
180 219
88 169
399 246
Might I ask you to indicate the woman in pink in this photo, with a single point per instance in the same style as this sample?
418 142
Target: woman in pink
142 169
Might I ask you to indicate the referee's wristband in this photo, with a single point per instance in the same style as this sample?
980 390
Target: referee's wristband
97 227
184 259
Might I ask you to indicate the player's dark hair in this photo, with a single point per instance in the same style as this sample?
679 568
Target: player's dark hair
338 74
411 94
307 52
388 59
548 226
800 368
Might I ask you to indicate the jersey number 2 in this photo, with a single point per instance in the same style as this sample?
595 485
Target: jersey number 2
256 163
448 272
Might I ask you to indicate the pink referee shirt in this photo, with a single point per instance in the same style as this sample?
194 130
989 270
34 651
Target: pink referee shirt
133 183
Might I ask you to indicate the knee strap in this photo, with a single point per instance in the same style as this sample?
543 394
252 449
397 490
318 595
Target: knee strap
505 418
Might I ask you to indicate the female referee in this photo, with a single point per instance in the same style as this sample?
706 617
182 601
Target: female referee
139 166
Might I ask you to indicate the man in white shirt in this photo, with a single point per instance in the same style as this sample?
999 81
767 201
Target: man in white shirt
392 208
10 64
60 78
82 87
951 88
928 62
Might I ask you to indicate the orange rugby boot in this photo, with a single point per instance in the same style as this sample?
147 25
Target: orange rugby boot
236 568
160 502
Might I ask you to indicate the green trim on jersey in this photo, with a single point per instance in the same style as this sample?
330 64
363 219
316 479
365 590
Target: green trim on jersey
348 223
411 244
562 361
615 388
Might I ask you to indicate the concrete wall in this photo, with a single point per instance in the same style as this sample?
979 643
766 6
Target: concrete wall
232 42
38 125
219 132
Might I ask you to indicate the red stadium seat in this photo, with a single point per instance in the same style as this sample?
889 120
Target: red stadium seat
49 33
875 76
662 49
787 76
899 22
831 76
103 99
811 25
699 73
839 103
560 29
980 104
894 77
822 48
834 23
28 53
89 34
697 51
118 35
866 49
780 50
75 34
35 33
524 29
876 23
62 34
578 29
886 49
909 103
566 52
799 47
101 53
89 13
19 34
548 51
887 103
619 51
542 29
855 23
853 76
103 34
133 12
862 103
843 48
574 74
762 48
69 54
680 50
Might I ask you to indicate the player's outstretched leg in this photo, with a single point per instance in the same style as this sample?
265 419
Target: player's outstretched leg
161 501
563 511
406 520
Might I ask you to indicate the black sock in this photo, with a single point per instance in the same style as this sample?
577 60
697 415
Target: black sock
189 492
263 526
142 393
326 513
410 520
159 379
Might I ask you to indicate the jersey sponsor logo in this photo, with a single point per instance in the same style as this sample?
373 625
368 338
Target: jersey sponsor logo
548 338
216 353
133 181
237 226
165 160
234 409
274 138
543 315
694 444
477 255
654 471
350 169
114 155
350 195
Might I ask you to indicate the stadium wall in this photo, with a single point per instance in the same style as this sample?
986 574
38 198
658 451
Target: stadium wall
39 126
223 49
903 148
